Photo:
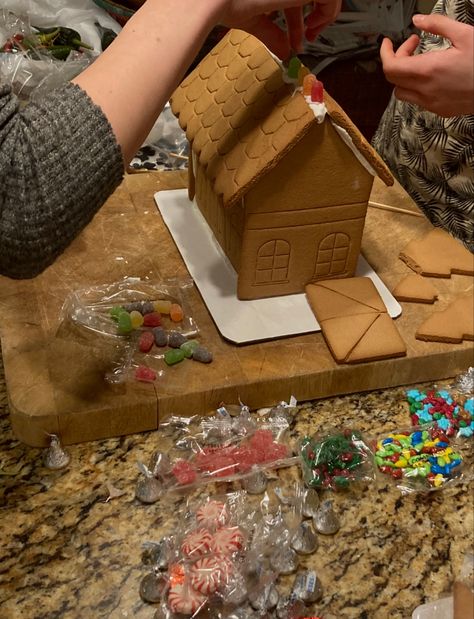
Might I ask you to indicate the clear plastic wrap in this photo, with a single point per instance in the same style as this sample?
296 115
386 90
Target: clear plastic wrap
451 408
421 459
148 324
336 459
29 68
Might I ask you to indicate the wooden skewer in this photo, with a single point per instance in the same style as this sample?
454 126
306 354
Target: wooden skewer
183 157
396 209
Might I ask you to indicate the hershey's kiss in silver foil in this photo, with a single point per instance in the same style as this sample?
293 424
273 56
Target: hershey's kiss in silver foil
152 586
245 612
264 598
235 591
304 540
55 457
465 382
160 464
256 483
148 488
290 609
157 554
284 560
325 520
306 587
310 503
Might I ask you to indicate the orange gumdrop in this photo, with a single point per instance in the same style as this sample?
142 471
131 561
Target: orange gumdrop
308 82
176 312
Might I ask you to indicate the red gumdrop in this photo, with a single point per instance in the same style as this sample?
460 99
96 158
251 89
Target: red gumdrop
144 374
152 320
184 472
317 92
146 341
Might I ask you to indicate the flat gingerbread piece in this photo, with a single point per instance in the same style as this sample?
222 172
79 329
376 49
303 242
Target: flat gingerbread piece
354 320
415 289
452 325
438 254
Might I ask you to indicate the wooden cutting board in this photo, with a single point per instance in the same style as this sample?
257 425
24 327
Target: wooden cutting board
57 385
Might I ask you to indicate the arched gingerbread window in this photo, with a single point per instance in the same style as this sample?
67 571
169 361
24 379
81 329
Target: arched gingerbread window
332 255
273 259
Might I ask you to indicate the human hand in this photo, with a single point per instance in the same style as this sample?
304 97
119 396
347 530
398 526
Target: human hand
440 81
324 13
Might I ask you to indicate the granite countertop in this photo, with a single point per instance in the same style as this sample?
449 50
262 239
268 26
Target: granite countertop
69 552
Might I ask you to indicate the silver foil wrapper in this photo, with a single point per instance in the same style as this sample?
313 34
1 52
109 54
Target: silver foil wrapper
160 464
148 489
55 457
306 587
326 520
157 554
284 560
264 598
290 609
152 586
304 540
310 503
464 383
256 483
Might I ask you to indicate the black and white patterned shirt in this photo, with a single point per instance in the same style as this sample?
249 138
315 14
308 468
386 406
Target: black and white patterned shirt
433 157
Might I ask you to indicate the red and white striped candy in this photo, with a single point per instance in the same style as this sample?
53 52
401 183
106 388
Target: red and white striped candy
212 514
184 599
227 540
209 573
197 543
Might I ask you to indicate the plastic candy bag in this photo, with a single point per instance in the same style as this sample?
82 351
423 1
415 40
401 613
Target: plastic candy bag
335 460
420 459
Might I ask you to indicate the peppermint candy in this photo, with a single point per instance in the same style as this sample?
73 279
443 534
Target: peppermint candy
212 514
183 599
209 573
197 543
227 540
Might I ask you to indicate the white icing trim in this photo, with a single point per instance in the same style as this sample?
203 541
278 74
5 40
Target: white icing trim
346 138
319 109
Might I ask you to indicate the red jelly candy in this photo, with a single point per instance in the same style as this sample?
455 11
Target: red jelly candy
317 92
146 341
152 320
144 374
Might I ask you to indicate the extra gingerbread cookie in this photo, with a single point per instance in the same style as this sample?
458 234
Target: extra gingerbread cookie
415 289
453 325
354 320
438 254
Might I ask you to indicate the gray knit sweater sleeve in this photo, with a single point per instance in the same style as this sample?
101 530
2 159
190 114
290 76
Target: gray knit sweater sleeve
59 162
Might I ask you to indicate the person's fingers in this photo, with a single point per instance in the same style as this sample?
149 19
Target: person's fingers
270 34
444 26
295 27
410 96
387 54
408 47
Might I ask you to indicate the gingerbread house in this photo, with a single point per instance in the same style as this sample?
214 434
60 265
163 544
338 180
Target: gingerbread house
284 190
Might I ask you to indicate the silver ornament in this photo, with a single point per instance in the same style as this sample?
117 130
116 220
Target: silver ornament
310 503
304 540
256 483
151 587
325 520
306 587
56 457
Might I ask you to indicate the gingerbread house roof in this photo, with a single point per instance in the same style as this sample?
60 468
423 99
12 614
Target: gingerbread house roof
242 118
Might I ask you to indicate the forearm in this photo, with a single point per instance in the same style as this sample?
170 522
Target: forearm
132 80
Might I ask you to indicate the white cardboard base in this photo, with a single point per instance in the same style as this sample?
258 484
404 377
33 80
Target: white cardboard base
240 321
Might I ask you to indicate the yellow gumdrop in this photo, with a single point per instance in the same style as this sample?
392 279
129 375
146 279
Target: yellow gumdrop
136 319
162 306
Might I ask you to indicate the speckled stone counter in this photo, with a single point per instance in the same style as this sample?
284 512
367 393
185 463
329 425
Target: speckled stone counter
68 552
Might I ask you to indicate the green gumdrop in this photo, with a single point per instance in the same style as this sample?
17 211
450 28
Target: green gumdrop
124 323
116 311
189 347
175 355
294 66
